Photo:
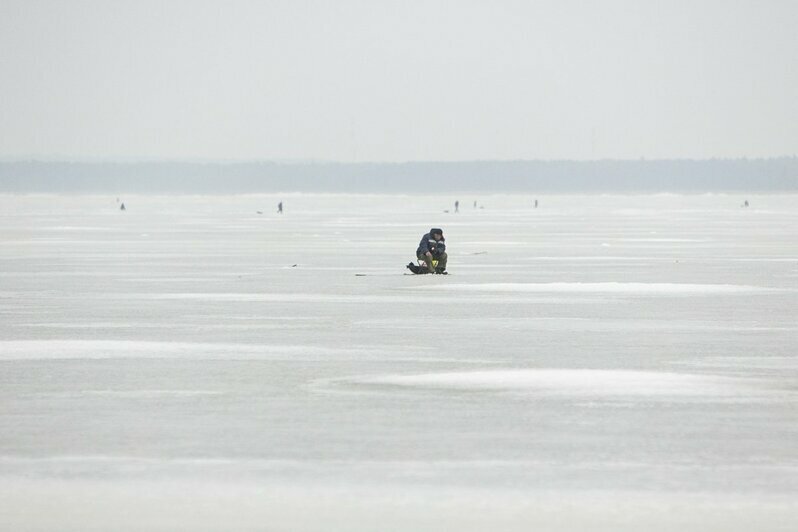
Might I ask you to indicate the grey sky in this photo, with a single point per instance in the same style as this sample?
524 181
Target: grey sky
394 81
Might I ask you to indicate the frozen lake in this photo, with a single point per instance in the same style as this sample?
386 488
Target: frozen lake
601 362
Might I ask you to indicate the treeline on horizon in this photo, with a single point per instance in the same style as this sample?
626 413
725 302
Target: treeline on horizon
710 175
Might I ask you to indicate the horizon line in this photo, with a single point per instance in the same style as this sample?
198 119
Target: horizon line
280 161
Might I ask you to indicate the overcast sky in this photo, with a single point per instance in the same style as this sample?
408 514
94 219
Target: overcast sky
396 81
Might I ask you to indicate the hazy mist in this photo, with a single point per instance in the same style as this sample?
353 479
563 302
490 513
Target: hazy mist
761 175
398 80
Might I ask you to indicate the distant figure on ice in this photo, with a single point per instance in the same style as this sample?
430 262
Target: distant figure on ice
122 207
536 204
745 204
475 204
433 247
457 206
280 208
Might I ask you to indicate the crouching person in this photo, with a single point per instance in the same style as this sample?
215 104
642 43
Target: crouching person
433 247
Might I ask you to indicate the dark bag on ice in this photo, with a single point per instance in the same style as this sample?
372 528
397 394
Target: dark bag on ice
415 268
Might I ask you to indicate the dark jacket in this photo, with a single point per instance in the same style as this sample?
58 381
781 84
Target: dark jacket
428 243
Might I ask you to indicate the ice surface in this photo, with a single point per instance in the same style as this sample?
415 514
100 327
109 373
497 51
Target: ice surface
628 288
598 363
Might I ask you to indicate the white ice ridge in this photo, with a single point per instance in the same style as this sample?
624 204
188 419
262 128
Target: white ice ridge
104 349
569 382
135 394
609 287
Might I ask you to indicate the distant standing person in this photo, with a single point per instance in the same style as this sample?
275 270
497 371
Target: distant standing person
536 204
475 204
122 207
745 204
280 208
457 206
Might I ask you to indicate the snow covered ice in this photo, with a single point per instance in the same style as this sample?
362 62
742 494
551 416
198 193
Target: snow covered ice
598 363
